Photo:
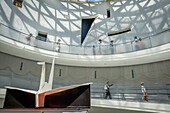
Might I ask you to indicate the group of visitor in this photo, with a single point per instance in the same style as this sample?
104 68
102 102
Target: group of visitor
98 45
57 44
107 91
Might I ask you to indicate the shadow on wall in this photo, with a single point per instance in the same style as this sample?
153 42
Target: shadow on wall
62 19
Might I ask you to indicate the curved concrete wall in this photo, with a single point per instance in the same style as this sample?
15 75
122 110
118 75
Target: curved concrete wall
19 72
62 19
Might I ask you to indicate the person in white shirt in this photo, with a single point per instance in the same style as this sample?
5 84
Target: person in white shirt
144 92
136 39
136 45
99 43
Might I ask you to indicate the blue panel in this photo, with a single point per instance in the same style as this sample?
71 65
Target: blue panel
40 38
86 24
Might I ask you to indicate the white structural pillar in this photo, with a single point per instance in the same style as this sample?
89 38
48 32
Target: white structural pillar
50 80
44 86
42 80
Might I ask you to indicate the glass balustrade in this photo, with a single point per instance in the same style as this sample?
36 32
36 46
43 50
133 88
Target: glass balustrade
156 94
149 41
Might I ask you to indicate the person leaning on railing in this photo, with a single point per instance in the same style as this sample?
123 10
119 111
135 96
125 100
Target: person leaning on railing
137 41
94 51
99 43
111 46
58 45
29 37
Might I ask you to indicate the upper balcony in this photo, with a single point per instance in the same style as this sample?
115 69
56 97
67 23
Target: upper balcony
63 20
151 46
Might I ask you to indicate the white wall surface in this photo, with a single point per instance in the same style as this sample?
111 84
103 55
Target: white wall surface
62 18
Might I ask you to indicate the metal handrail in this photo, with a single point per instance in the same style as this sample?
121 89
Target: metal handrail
116 46
135 94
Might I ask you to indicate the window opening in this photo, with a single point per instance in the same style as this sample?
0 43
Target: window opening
60 72
18 3
42 36
21 65
132 74
87 23
119 32
108 13
95 75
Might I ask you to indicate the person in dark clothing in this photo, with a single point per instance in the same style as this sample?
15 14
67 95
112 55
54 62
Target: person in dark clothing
112 46
107 89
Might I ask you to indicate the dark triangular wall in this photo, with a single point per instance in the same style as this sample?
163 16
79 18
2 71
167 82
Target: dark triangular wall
85 27
19 99
75 97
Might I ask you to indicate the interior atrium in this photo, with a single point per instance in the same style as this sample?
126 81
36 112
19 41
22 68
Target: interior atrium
87 42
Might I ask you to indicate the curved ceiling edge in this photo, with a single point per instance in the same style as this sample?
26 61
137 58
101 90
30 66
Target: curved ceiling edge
155 54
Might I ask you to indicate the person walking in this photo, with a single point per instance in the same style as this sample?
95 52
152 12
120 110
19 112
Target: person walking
145 95
107 89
